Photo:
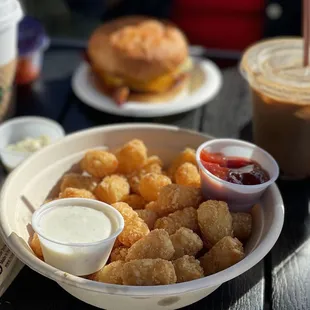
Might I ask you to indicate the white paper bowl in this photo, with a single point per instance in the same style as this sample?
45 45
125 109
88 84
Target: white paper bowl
27 187
19 128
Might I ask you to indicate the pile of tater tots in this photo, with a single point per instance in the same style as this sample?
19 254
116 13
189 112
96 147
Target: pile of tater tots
171 234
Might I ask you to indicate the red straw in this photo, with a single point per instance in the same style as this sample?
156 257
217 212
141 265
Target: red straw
306 30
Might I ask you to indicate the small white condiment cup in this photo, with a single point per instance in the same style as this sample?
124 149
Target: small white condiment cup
19 128
239 197
79 259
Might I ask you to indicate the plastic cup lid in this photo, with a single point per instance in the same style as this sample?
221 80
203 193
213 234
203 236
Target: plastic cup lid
275 68
31 36
10 12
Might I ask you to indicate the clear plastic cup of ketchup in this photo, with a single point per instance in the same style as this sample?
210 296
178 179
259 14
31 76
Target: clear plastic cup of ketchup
32 42
235 171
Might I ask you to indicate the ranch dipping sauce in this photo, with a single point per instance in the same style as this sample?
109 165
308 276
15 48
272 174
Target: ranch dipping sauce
74 224
76 234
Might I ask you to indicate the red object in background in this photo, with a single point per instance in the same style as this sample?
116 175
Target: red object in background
26 72
226 24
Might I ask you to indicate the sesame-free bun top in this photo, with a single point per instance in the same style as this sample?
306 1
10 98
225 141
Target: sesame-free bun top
137 48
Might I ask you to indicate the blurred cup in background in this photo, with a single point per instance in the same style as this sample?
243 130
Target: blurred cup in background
280 89
10 14
32 42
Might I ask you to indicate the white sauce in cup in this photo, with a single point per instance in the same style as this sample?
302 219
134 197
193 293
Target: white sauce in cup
73 224
77 234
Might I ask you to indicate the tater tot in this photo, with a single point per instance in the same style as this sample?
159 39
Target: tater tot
36 246
134 228
119 253
215 221
75 180
111 273
134 178
154 159
112 189
117 244
99 163
70 192
149 272
134 182
227 252
153 164
151 206
132 156
135 201
185 242
242 225
187 268
156 244
181 218
148 216
187 156
187 174
175 197
150 185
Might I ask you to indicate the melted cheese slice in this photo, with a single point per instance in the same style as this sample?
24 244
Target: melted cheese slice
157 85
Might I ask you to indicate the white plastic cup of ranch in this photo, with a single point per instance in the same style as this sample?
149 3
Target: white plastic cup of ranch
10 15
77 234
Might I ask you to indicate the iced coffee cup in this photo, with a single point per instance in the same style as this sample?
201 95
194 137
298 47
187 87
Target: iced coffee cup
10 15
280 88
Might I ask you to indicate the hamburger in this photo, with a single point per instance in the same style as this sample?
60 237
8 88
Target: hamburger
138 58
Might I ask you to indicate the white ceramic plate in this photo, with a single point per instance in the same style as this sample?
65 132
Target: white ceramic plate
27 187
85 91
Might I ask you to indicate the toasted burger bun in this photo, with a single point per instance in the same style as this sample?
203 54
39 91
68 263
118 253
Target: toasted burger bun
143 97
142 53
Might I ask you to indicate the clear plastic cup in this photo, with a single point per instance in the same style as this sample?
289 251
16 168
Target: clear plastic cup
32 42
77 258
239 197
10 14
280 89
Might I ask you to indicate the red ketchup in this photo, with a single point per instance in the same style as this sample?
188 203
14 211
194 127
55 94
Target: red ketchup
237 170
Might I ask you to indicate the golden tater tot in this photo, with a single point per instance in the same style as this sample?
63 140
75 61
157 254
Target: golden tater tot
119 253
70 192
187 156
154 159
187 174
175 197
36 246
112 189
134 182
181 218
132 156
187 268
111 273
186 242
156 244
242 225
215 221
76 180
99 163
227 252
135 201
117 244
150 185
151 206
153 164
149 272
134 228
148 216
